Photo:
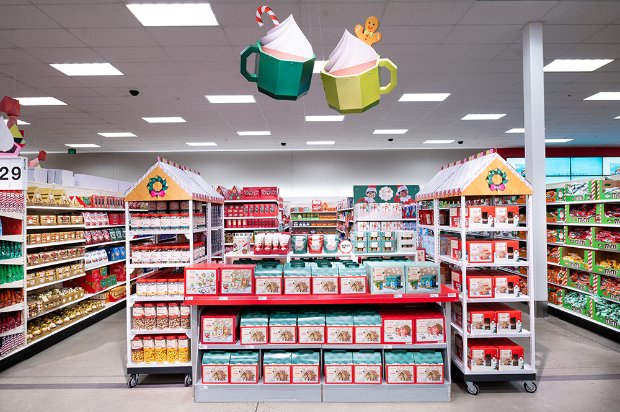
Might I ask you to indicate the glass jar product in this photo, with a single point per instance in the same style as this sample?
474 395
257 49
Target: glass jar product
141 289
162 287
150 315
183 349
162 316
137 350
185 317
174 315
160 349
137 316
151 287
178 287
172 349
148 343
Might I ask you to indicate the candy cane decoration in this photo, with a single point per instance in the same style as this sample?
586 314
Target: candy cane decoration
266 9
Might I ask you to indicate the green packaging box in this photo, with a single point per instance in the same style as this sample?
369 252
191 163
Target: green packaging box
576 258
603 214
606 312
386 277
606 263
428 357
299 244
608 189
577 242
215 367
244 367
578 191
422 277
311 327
584 281
577 302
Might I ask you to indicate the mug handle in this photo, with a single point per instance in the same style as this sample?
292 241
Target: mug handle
387 63
247 52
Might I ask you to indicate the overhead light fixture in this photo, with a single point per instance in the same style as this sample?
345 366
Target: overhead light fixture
576 65
255 133
484 116
164 119
424 97
231 98
117 134
330 118
174 15
604 96
617 118
87 69
82 145
438 141
516 130
197 144
319 65
19 123
40 101
565 140
320 142
390 131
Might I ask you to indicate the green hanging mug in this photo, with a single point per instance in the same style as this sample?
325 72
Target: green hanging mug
278 78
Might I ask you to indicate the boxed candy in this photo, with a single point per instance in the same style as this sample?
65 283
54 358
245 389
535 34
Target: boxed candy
311 327
397 327
508 319
386 277
506 285
305 367
219 326
268 278
338 367
482 355
399 367
480 251
237 279
297 278
422 277
201 280
480 286
315 244
324 279
339 327
254 328
215 367
244 367
282 327
430 326
277 367
505 251
353 279
367 367
428 367
480 320
510 355
367 326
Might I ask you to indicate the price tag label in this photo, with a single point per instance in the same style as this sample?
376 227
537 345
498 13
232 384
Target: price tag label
387 346
13 173
400 295
223 297
189 298
262 298
434 295
451 295
250 346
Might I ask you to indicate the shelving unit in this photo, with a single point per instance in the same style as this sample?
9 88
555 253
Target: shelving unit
345 217
583 276
458 183
189 191
314 218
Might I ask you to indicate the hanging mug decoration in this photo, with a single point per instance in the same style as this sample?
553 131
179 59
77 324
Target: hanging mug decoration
157 186
497 180
285 59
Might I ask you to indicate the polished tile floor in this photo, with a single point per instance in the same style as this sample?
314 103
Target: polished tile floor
579 371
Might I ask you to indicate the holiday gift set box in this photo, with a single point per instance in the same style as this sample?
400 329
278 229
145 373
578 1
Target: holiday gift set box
338 367
282 327
201 280
215 367
481 286
367 367
429 367
479 251
325 280
339 327
506 251
457 314
511 355
578 236
353 278
506 285
397 326
277 367
506 216
399 367
507 319
237 279
268 279
367 326
311 327
430 326
297 278
305 367
422 277
606 263
219 326
254 327
480 320
482 355
386 277
244 367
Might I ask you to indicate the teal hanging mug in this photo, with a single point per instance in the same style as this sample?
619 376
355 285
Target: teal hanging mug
278 78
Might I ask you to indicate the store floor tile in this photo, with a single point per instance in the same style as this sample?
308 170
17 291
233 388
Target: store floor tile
578 370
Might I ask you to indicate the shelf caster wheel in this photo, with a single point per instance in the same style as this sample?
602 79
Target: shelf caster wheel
132 381
472 388
188 380
530 387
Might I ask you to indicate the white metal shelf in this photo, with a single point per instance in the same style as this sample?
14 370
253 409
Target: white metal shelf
483 229
73 208
48 227
252 201
159 331
42 285
17 330
103 264
582 316
50 244
158 365
459 262
527 370
251 229
397 219
524 334
157 265
12 308
315 227
503 299
102 227
135 298
250 217
12 238
112 242
155 232
330 346
12 261
12 285
58 262
13 215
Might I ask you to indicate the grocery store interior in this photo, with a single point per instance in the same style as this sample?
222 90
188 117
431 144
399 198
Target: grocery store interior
322 205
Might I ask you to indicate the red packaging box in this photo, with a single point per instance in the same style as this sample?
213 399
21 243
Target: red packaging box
508 319
506 216
482 355
236 279
269 192
455 248
479 216
458 346
511 355
423 371
479 251
93 276
455 214
506 285
238 372
250 193
219 327
457 279
310 334
426 217
457 314
253 335
201 280
429 326
505 251
397 327
480 320
480 286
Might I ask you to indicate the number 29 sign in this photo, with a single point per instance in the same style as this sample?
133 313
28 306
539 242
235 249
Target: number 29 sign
13 173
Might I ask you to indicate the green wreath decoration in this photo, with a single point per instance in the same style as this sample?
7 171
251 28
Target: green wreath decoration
497 179
157 186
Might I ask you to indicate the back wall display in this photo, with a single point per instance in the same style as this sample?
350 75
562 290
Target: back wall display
385 193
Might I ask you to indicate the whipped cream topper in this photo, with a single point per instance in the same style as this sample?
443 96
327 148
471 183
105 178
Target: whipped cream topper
350 52
288 38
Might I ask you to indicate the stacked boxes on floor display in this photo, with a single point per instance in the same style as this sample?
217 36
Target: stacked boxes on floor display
318 278
486 284
387 241
491 354
488 318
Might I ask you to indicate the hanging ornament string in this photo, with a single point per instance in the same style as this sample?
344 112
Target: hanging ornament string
266 9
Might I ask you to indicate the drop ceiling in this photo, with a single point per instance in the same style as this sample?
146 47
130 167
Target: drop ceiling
471 49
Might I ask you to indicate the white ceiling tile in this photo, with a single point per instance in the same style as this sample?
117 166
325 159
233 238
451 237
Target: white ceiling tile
202 54
483 34
423 13
408 35
506 12
594 51
16 56
40 38
584 12
24 17
65 55
49 81
133 54
188 36
570 33
91 15
34 69
118 37
609 34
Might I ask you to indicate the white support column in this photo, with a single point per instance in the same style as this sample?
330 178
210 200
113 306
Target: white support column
534 122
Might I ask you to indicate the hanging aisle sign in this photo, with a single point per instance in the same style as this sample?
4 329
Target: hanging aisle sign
13 173
404 194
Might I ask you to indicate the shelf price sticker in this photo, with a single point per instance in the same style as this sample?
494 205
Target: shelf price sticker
387 346
262 298
189 298
13 173
451 295
223 297
399 295
434 295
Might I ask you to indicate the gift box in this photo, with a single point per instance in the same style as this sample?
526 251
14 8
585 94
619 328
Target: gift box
339 328
422 277
277 367
297 278
367 367
428 367
457 279
367 326
430 326
482 355
352 278
305 367
511 355
282 327
479 216
254 328
480 286
481 320
215 367
268 279
237 279
506 285
506 216
508 319
244 367
399 367
480 251
311 327
386 277
324 279
457 314
397 327
338 367
454 245
201 280
219 327
505 251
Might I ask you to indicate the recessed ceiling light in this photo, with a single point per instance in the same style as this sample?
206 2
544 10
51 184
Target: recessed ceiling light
232 98
87 69
199 14
82 145
330 118
164 119
438 141
201 144
19 123
604 96
617 117
516 130
423 97
117 134
320 142
576 65
255 133
390 131
558 140
488 116
318 66
40 101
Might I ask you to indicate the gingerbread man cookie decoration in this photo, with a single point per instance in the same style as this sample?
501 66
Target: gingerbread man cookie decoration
368 32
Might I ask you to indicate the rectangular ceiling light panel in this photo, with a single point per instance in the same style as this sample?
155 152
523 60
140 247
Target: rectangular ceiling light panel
174 15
